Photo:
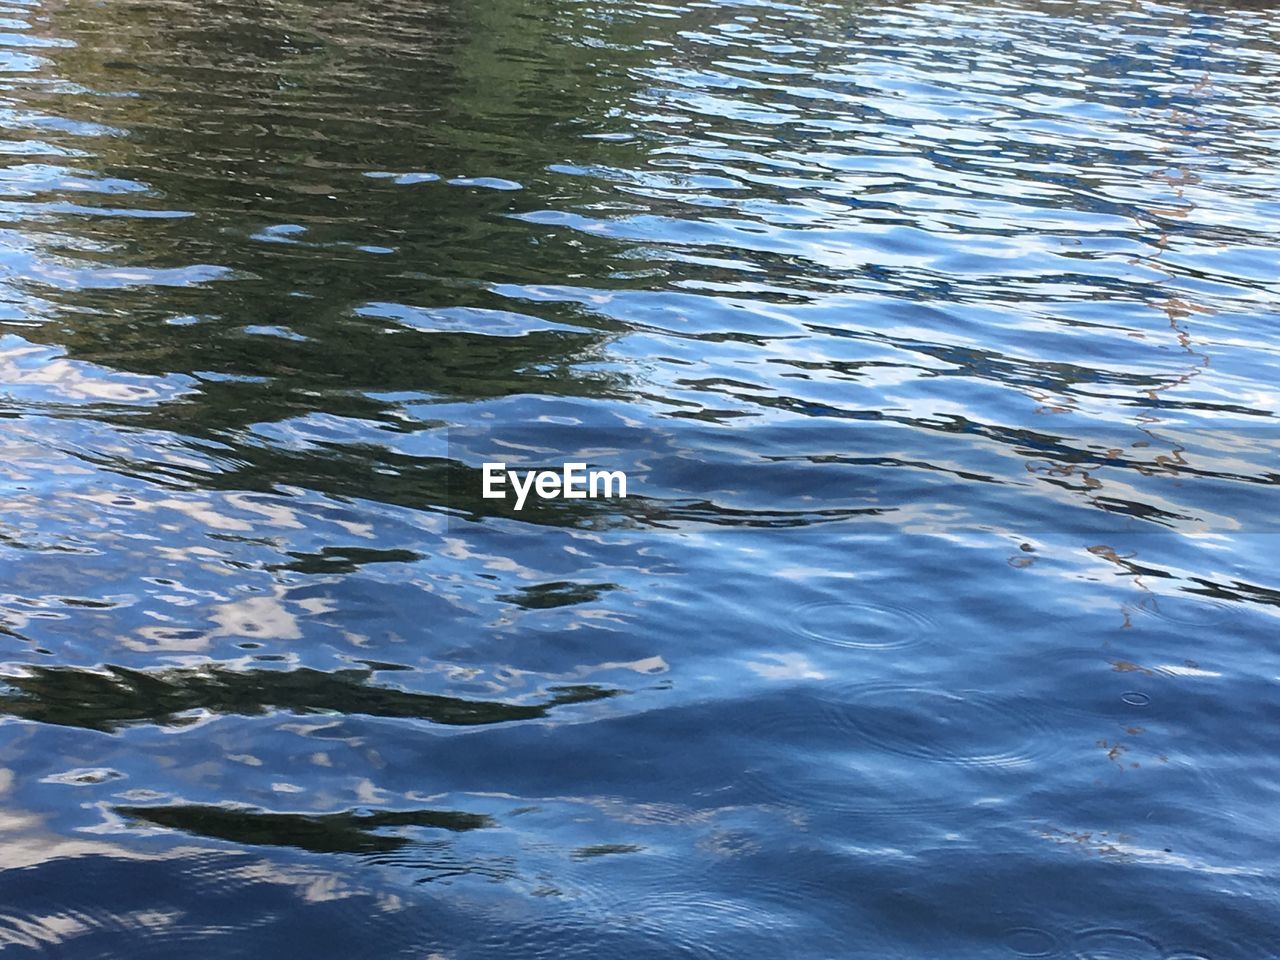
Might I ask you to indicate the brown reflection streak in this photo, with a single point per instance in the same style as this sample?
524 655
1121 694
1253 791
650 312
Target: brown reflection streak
1175 309
1122 561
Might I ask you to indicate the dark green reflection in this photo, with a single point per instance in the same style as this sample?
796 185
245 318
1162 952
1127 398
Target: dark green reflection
117 697
292 163
345 832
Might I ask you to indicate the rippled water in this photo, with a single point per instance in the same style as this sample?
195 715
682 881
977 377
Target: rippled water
938 341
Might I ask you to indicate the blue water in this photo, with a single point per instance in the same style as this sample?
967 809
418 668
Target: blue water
938 342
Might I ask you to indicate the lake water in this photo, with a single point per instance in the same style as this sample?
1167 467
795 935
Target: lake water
938 342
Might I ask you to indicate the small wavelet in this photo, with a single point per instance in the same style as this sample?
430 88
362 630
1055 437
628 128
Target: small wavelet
699 925
1031 942
1115 944
862 624
797 762
971 728
1187 610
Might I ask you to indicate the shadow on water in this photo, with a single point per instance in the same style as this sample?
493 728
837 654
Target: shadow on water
116 697
318 833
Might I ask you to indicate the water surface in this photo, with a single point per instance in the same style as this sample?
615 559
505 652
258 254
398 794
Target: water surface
938 341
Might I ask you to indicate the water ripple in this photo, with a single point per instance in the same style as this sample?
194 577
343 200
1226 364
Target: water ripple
966 728
937 341
863 625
